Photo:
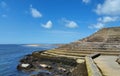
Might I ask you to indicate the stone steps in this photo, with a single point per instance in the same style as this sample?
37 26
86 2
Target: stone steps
62 55
66 53
83 53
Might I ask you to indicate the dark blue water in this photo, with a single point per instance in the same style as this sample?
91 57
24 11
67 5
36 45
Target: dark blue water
10 56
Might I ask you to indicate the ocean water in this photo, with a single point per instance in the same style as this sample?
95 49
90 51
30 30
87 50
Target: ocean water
10 56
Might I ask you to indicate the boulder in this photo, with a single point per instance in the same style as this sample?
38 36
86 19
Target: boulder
80 61
24 66
45 66
62 69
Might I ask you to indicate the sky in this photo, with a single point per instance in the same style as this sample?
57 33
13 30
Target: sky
54 21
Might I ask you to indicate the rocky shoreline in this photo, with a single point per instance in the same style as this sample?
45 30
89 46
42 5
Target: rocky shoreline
50 65
67 60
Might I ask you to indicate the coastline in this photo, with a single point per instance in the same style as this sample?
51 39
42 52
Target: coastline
48 65
72 56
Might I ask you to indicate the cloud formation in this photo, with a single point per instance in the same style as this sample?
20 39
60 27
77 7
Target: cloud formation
102 21
35 13
110 12
108 19
70 24
86 1
97 26
109 7
48 25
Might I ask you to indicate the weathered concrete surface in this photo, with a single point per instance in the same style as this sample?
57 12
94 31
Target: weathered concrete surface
91 67
108 65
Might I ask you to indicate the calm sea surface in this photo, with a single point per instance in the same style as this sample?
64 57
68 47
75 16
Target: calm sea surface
10 56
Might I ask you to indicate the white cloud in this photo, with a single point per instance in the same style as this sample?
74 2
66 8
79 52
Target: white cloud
108 19
109 7
70 24
110 12
3 4
35 13
86 1
97 26
48 25
102 21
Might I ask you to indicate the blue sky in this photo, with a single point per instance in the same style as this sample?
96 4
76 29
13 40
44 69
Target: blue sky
54 21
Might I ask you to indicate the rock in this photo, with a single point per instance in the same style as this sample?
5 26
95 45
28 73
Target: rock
49 67
27 59
46 66
43 65
71 70
19 67
62 69
80 61
36 62
25 65
44 74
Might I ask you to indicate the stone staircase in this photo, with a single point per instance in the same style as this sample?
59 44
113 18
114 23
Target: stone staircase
105 42
106 39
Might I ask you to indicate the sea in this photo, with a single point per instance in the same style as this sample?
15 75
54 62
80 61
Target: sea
10 54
